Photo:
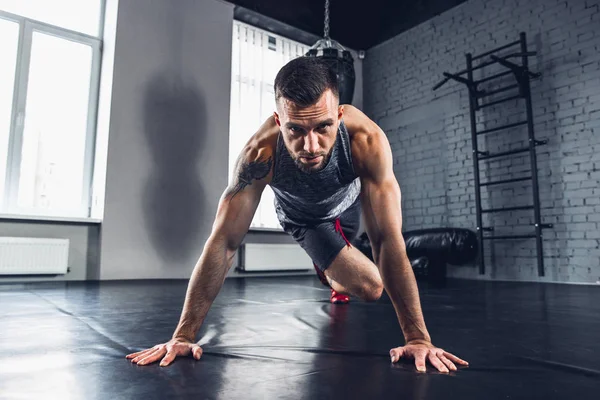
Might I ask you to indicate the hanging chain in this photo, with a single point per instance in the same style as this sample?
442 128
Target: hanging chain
326 19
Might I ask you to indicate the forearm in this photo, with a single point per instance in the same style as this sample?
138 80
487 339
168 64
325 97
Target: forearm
400 284
206 281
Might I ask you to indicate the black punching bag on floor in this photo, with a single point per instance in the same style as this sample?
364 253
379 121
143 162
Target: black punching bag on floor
338 58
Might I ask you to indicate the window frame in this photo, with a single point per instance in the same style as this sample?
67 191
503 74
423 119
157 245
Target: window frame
27 27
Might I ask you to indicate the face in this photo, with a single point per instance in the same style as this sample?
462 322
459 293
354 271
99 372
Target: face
309 133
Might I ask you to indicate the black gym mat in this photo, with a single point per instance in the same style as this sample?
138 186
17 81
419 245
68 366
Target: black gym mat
280 338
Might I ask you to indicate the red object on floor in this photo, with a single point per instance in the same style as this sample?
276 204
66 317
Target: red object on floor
337 298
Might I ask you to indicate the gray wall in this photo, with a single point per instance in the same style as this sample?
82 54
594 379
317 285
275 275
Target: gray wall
168 144
430 133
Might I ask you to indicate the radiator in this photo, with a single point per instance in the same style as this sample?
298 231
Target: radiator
33 256
274 257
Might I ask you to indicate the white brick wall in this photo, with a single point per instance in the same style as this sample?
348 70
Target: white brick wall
430 131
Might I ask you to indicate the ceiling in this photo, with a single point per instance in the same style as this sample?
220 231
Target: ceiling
357 24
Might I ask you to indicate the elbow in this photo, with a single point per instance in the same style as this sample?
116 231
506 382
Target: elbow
224 243
230 253
232 244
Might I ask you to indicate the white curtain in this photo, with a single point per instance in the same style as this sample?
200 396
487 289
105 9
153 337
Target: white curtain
257 57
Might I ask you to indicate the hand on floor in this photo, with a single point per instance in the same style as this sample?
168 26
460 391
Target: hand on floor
169 350
422 352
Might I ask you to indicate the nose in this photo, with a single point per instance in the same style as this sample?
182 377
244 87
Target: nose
311 143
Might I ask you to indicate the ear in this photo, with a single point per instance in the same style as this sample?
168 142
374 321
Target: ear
340 112
277 119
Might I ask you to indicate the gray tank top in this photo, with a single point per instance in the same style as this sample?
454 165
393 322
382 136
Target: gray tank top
307 199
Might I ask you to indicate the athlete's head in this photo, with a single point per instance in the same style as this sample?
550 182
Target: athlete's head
308 111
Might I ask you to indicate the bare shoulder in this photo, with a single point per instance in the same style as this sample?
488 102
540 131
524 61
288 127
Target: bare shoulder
260 148
368 141
254 165
266 135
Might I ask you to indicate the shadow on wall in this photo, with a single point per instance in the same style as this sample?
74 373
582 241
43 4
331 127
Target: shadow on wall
175 125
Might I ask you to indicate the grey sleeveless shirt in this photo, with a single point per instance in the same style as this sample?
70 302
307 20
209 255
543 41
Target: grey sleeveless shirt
306 199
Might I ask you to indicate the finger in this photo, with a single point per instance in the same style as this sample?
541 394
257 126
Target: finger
452 357
134 355
197 351
396 354
143 354
435 361
446 362
152 357
168 359
420 361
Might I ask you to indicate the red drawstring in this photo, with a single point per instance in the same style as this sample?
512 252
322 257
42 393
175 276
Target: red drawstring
338 228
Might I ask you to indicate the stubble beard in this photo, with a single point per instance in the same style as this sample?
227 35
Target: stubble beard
312 169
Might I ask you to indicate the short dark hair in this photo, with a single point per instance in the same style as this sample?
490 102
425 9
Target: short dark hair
304 80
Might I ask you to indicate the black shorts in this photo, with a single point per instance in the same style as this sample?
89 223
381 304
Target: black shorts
323 241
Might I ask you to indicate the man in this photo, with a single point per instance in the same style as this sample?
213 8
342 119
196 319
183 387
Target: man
323 169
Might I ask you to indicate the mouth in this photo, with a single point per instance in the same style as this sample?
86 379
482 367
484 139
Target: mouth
311 160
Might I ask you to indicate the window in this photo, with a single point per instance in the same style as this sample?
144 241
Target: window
76 15
48 100
257 57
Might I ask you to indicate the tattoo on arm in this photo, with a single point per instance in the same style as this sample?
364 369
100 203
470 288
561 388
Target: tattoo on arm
248 172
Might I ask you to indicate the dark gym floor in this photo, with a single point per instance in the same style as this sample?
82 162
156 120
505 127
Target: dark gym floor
279 338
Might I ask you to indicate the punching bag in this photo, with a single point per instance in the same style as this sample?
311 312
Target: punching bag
339 60
342 63
456 246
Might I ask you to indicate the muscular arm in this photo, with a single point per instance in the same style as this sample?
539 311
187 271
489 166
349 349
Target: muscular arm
235 212
380 198
383 217
234 215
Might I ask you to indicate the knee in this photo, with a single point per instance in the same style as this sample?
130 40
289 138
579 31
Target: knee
372 292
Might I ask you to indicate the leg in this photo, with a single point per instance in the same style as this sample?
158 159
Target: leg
352 272
322 244
344 267
337 286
